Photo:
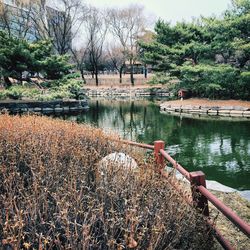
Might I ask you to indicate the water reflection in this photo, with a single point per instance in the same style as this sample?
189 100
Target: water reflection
221 149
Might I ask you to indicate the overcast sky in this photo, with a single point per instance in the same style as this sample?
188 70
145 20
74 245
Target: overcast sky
171 10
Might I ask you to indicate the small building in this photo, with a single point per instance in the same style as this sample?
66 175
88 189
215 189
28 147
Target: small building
183 93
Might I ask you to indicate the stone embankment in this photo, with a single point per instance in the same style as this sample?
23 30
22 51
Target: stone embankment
45 107
126 92
223 111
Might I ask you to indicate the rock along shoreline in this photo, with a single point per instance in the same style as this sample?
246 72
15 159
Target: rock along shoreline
44 107
205 110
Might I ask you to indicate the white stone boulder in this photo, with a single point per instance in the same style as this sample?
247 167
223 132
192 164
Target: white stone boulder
116 166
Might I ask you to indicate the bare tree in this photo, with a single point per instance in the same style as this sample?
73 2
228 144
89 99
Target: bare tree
127 25
79 57
96 30
60 22
116 57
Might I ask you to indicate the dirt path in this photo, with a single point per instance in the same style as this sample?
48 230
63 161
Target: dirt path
209 103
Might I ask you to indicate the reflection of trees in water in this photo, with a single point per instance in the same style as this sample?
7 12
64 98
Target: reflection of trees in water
132 118
96 113
219 148
234 143
132 124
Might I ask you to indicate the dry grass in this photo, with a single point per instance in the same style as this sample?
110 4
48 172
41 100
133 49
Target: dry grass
51 195
113 80
240 206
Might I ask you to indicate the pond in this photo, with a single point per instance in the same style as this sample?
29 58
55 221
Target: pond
219 148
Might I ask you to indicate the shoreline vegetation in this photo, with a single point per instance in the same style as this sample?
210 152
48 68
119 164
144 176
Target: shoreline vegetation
53 193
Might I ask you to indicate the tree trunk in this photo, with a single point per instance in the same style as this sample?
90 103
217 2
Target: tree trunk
120 73
96 77
20 78
82 75
145 71
195 59
132 73
7 82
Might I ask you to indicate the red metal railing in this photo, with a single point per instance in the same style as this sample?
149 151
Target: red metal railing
141 145
200 194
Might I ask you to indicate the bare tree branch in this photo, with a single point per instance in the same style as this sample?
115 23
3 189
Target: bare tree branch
96 30
60 22
128 24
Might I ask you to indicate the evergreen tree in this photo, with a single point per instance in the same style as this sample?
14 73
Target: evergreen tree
18 56
210 56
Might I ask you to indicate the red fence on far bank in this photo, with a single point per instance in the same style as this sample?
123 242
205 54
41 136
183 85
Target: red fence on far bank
200 194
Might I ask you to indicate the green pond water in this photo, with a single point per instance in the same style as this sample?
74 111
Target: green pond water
221 149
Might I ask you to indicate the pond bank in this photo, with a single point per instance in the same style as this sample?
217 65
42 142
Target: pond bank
221 108
45 107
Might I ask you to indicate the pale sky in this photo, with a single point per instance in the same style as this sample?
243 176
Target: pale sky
171 10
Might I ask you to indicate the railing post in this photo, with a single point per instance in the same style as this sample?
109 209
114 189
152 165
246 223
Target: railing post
159 159
199 200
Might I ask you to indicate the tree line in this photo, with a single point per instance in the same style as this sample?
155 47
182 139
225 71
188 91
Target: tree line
93 38
209 56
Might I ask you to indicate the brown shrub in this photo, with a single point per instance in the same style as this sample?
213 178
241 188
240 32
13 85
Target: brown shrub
51 199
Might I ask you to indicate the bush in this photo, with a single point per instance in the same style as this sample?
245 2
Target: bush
213 90
18 56
52 195
63 89
74 87
72 76
220 81
55 95
244 85
58 89
19 92
2 95
15 92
